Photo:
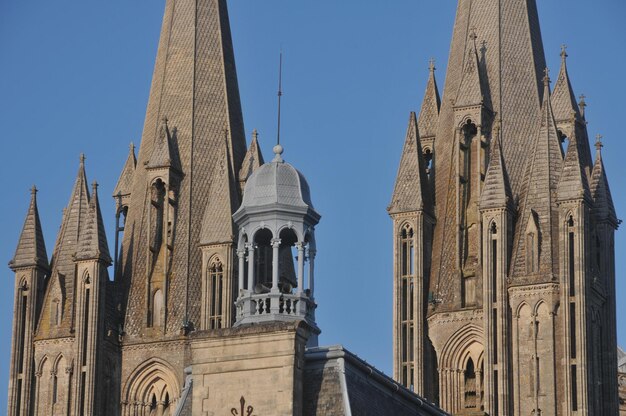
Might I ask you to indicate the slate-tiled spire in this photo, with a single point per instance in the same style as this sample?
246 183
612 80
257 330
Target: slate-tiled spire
573 182
63 266
195 86
429 113
125 182
252 160
164 155
217 224
31 248
411 192
92 243
497 189
563 99
545 165
603 208
470 89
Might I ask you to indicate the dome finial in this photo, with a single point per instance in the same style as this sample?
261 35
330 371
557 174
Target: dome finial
278 151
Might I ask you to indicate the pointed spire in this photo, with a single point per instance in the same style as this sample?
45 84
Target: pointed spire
563 98
411 192
92 242
31 248
470 90
542 176
163 155
603 207
497 190
573 183
253 159
125 181
217 224
429 114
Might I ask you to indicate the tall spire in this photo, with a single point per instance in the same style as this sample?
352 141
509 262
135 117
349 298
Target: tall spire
411 192
195 86
563 98
429 114
573 181
470 89
31 248
252 161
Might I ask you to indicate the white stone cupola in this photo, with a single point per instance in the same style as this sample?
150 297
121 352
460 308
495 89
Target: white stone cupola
276 223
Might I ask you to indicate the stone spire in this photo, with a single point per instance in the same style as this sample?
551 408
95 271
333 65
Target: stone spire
470 91
429 114
511 54
497 190
542 177
573 183
195 86
163 153
603 207
125 181
92 243
31 248
563 98
252 161
411 192
217 225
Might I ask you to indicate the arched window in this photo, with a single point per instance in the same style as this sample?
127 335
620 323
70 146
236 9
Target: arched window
428 159
571 254
157 309
216 280
470 385
157 192
407 294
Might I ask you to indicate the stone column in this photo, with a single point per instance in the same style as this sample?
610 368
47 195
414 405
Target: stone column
241 255
275 248
300 247
311 270
250 247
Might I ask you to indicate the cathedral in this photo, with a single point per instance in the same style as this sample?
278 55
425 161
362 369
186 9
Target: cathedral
503 276
503 225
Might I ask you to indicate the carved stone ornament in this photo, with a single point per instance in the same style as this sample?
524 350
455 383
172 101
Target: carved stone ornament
245 411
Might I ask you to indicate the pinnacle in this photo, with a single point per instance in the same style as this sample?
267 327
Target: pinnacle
31 248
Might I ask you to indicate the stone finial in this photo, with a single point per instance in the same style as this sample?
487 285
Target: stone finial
599 144
33 190
255 134
164 121
82 158
564 52
431 65
94 187
473 36
132 147
546 78
278 151
582 104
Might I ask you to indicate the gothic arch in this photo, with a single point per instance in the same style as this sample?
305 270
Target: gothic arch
457 346
154 377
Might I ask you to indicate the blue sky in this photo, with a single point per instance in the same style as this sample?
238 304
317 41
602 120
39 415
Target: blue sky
75 77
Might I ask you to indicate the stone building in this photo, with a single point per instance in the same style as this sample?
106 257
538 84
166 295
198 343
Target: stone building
210 308
504 276
621 369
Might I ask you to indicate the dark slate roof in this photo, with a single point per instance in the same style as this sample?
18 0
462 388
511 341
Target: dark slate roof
411 192
337 382
429 113
31 247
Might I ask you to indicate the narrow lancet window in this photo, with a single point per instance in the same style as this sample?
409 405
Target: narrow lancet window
157 309
216 279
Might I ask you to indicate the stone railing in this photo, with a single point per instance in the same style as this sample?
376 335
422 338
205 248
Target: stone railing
274 306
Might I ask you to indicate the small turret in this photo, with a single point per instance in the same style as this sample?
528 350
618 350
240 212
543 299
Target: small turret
31 248
276 217
252 160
